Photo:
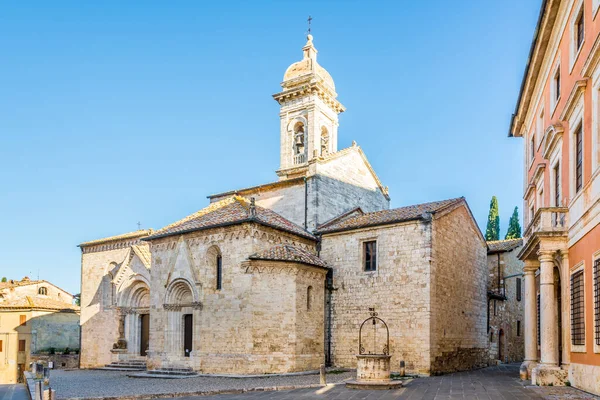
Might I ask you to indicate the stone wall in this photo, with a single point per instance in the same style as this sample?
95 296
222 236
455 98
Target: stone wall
504 315
458 293
57 330
60 361
399 291
247 326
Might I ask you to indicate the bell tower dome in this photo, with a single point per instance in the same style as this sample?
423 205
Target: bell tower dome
309 112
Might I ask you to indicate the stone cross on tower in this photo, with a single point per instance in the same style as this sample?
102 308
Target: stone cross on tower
309 21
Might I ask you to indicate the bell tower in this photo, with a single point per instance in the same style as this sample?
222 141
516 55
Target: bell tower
308 114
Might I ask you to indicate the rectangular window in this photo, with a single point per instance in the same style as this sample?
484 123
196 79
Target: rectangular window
597 300
557 185
578 159
370 255
579 30
557 84
22 345
577 309
23 320
532 149
219 272
518 289
518 328
0 345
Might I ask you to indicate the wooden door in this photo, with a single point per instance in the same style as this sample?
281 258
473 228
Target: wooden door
187 336
144 333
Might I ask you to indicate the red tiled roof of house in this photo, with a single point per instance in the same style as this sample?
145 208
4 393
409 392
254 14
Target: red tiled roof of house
386 217
499 246
286 252
36 303
230 211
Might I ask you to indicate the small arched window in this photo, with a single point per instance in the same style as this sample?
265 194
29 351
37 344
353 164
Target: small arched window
43 291
219 272
309 294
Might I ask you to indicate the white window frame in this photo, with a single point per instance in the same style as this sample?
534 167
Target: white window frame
540 129
578 348
554 162
574 50
595 6
553 87
575 122
596 121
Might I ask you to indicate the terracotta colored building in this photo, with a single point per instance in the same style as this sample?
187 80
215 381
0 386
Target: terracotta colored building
558 116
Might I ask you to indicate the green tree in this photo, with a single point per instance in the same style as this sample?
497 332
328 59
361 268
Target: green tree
4 279
514 228
77 299
492 231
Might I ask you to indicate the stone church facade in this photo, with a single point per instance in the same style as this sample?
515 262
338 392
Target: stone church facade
278 277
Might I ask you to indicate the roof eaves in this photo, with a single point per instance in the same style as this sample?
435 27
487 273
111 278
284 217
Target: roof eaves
258 258
370 225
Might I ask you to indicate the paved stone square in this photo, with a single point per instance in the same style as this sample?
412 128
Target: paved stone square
492 383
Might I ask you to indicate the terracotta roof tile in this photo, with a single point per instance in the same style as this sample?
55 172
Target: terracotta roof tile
130 235
498 246
38 303
386 217
229 211
286 252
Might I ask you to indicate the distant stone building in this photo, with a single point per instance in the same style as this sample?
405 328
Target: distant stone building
35 317
278 277
505 301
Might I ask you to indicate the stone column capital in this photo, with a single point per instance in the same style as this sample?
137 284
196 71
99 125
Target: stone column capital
546 255
531 265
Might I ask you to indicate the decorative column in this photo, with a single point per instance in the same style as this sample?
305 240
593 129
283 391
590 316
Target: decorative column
548 320
565 285
530 331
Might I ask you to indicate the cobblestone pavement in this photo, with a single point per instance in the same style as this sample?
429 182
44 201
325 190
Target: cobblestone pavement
97 383
490 383
13 392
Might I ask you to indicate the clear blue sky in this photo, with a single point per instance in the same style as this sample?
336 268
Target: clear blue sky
116 112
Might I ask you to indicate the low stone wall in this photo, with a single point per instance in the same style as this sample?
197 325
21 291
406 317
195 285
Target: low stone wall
61 361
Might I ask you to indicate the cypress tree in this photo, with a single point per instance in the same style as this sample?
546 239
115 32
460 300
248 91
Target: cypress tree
514 228
492 231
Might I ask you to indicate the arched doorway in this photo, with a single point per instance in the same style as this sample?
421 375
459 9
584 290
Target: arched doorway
182 330
135 304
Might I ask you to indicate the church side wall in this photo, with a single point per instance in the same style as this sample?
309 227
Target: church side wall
458 294
237 329
340 185
99 321
398 290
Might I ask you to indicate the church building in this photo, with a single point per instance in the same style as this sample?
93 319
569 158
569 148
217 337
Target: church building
277 278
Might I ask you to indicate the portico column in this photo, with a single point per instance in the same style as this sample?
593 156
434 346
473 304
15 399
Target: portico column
548 322
530 314
565 284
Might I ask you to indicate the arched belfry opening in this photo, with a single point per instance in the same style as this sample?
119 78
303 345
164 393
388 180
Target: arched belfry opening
299 143
324 141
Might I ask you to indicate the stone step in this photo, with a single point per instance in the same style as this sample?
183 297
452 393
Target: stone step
132 369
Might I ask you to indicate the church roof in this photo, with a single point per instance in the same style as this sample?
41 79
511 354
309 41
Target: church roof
36 303
286 252
387 217
129 235
499 246
230 211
